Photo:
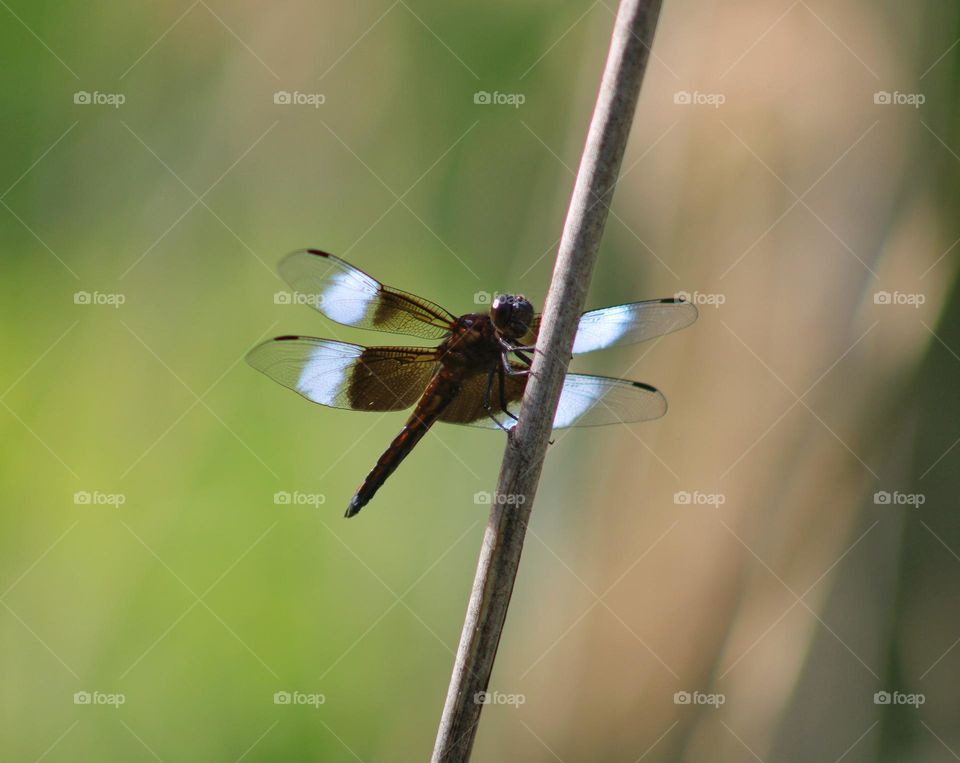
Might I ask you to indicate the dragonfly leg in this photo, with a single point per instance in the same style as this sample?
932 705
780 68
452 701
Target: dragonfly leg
509 369
486 398
519 352
501 376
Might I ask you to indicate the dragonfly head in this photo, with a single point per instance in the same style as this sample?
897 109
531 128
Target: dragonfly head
512 315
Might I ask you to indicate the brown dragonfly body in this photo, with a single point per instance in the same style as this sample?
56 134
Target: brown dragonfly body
475 376
474 347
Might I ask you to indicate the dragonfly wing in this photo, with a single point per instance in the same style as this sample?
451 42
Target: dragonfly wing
347 295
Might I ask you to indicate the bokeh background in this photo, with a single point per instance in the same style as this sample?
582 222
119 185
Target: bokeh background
766 175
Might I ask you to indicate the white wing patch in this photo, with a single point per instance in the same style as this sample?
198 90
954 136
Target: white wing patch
575 400
598 400
348 297
631 323
593 334
589 401
324 375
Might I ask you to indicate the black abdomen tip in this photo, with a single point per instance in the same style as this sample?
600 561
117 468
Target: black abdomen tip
354 507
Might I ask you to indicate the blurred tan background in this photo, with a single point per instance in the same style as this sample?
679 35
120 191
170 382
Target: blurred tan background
793 166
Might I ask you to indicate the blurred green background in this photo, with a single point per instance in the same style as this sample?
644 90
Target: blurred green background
797 202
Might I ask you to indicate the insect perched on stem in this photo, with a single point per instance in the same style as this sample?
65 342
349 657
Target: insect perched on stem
475 376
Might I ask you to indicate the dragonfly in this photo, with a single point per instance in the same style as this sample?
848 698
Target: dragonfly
476 375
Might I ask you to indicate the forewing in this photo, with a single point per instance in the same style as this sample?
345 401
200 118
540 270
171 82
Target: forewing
626 324
347 295
343 375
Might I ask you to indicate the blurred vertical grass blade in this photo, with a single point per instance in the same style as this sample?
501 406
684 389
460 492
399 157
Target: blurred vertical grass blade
499 561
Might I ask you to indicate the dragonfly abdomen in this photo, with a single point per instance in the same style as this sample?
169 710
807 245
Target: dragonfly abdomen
441 391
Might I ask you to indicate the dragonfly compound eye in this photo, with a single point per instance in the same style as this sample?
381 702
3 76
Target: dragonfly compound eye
512 315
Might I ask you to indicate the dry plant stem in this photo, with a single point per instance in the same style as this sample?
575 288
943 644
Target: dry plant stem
523 460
